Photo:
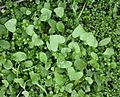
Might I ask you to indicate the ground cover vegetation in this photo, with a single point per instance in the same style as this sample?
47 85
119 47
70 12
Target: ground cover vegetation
60 48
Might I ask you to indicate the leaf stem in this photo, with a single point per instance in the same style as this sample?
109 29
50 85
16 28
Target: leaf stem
82 10
41 88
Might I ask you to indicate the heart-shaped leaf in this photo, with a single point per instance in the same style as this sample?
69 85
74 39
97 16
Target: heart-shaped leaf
91 40
46 14
73 75
36 41
55 40
30 30
59 11
78 31
11 25
60 26
75 46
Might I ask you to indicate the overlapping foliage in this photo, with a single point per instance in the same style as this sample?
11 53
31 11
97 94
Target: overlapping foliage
60 48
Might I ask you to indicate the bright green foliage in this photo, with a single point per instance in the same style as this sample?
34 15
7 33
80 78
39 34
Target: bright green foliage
25 93
45 14
43 57
74 94
5 82
60 48
36 41
55 40
90 81
73 75
85 36
19 56
59 78
11 25
81 93
19 81
34 77
79 64
60 26
104 41
30 30
65 64
78 31
28 63
8 64
109 52
75 46
68 87
91 40
4 44
59 11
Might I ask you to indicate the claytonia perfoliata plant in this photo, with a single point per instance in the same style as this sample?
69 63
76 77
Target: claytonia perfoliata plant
60 48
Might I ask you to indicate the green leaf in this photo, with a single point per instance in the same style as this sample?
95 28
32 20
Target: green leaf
48 65
36 40
34 77
78 31
30 30
113 65
74 93
43 57
91 40
81 93
65 64
4 44
59 78
73 75
68 87
84 36
94 56
104 41
45 14
20 81
90 81
55 40
5 82
75 46
28 12
109 52
25 93
19 56
28 63
3 29
60 26
59 11
8 65
52 23
11 25
79 64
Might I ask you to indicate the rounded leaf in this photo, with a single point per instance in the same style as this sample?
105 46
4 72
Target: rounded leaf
65 64
8 65
4 44
46 14
59 11
19 56
60 26
11 25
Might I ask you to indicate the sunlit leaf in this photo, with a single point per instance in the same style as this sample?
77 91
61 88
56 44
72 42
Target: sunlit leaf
11 25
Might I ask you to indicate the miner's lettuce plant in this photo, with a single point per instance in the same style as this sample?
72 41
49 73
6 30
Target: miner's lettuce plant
67 48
